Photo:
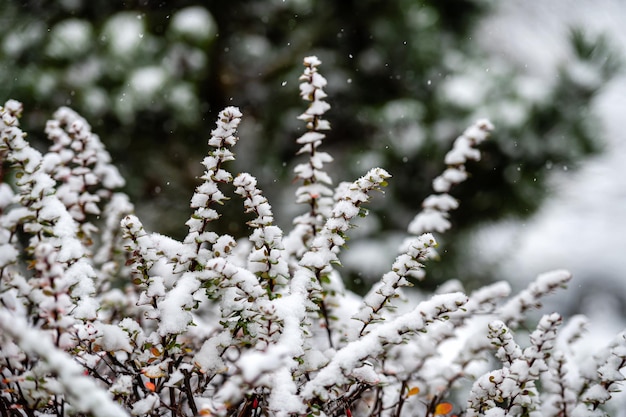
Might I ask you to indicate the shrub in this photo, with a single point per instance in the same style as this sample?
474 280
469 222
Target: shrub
100 317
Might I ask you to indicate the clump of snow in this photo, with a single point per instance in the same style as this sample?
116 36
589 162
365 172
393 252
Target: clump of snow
70 38
195 23
174 315
124 34
146 82
145 406
466 91
112 338
8 254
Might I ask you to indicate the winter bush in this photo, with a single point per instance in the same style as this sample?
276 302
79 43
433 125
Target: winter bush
101 317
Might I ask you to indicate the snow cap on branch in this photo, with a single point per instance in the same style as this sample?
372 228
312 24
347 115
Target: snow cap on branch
436 208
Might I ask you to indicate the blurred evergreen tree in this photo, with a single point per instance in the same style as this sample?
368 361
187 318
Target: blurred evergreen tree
405 78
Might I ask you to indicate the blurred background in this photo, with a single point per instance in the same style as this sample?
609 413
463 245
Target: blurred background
406 77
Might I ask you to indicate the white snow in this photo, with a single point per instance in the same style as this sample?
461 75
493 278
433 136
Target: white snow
174 316
147 81
310 136
69 38
8 254
145 406
429 221
443 202
466 91
124 33
112 338
194 22
318 108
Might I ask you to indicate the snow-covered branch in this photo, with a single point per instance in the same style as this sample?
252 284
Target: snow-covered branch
83 394
436 207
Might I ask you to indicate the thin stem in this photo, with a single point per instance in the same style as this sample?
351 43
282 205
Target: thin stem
327 320
401 399
190 400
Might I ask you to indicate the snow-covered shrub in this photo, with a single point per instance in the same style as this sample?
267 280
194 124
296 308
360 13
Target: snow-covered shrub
100 317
